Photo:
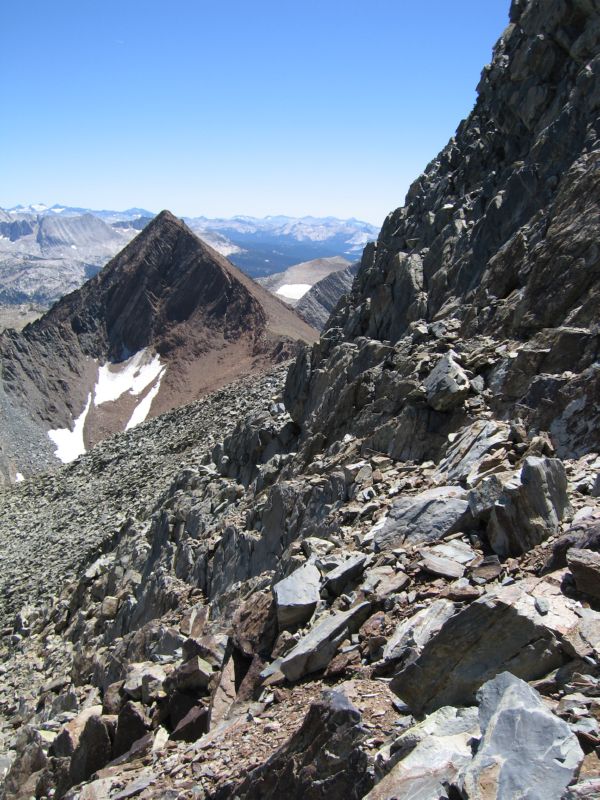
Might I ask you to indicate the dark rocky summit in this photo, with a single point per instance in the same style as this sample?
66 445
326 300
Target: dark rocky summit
382 579
168 302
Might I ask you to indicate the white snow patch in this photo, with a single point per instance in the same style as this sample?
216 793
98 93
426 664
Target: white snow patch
19 477
73 247
132 376
142 410
69 443
293 291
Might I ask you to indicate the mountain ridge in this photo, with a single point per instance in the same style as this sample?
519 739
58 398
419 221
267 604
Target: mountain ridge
383 579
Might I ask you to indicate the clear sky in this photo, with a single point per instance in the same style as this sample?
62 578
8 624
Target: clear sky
235 107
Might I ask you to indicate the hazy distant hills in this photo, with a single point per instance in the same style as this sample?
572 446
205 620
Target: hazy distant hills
44 257
275 243
48 251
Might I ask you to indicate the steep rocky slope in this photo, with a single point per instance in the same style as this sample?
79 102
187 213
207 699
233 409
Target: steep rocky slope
165 321
291 284
318 303
388 587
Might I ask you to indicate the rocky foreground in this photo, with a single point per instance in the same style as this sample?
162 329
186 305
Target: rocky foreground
377 576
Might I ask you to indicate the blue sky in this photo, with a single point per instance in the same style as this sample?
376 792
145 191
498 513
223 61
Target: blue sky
324 108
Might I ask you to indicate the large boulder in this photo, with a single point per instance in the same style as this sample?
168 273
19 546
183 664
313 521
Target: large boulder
447 384
132 725
509 629
424 517
94 749
68 739
296 596
525 751
315 650
428 756
530 508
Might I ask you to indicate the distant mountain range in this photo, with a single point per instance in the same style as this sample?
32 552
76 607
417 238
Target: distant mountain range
48 251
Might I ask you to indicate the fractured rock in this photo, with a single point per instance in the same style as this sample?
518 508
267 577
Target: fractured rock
68 739
323 759
424 517
193 725
502 630
30 760
583 533
193 674
139 673
525 750
530 508
585 566
447 384
315 650
349 570
414 632
469 448
132 724
296 596
93 750
428 756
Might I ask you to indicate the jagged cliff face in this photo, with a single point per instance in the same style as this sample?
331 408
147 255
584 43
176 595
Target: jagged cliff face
496 245
165 321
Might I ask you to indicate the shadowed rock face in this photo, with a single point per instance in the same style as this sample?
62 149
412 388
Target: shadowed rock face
166 291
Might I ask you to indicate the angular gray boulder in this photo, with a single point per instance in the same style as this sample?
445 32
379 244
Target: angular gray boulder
530 508
424 517
297 595
315 650
525 750
447 384
428 756
503 630
417 630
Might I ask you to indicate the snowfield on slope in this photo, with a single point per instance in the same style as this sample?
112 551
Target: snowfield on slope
293 291
69 443
134 375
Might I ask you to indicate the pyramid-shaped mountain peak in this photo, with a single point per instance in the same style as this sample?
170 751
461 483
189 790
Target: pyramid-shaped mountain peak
167 314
